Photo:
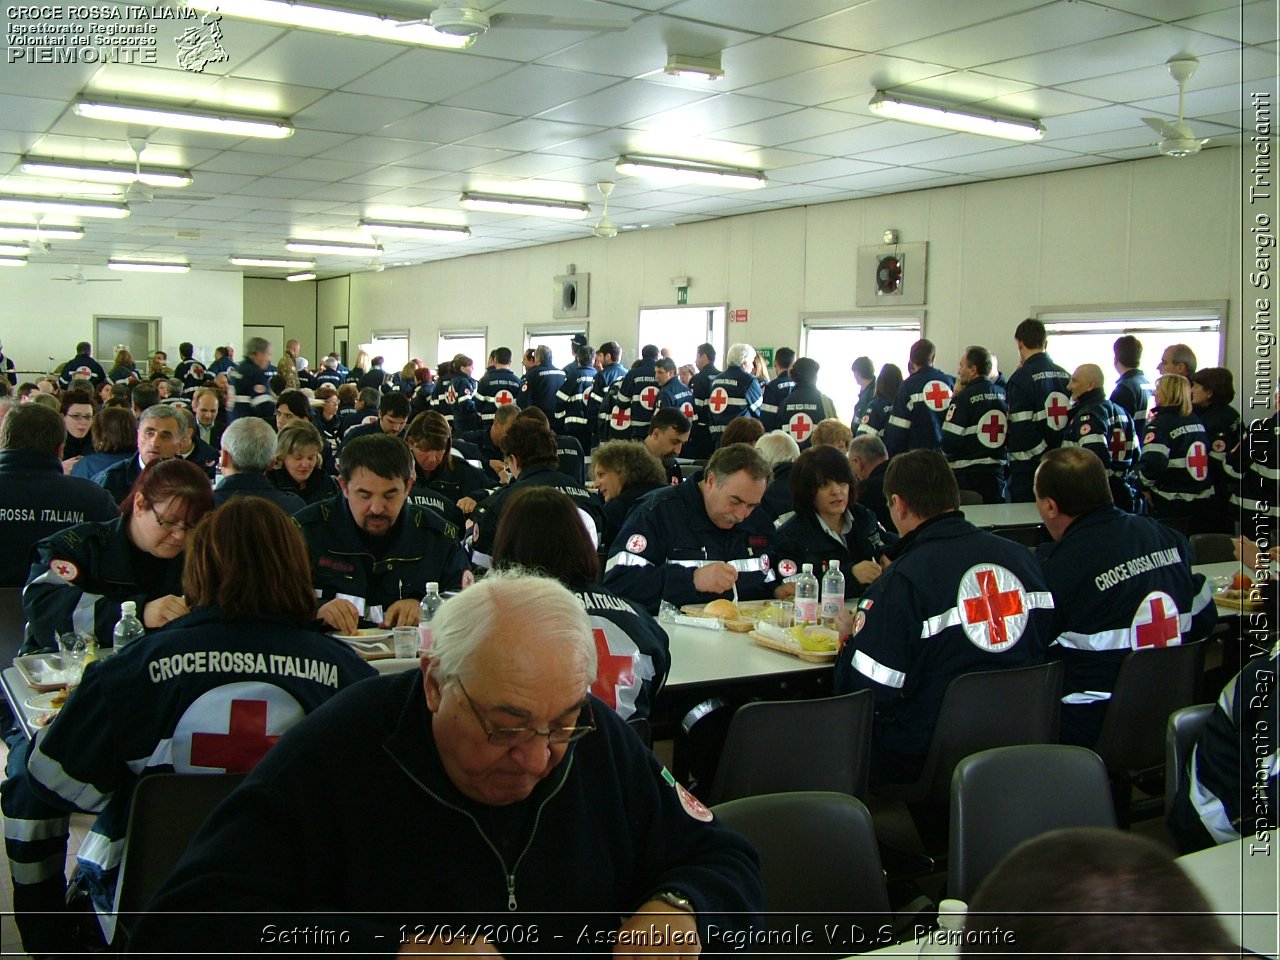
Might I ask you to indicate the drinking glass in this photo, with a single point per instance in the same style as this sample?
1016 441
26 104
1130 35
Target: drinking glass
406 642
72 650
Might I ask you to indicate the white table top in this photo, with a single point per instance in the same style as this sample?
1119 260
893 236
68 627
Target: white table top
1001 514
709 656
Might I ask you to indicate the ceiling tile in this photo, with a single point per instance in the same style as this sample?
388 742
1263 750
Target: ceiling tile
822 170
303 143
878 24
755 16
531 135
317 59
643 49
1014 155
252 164
852 77
1252 22
375 150
625 103
872 136
532 89
430 76
353 113
445 124
1229 66
796 125
708 116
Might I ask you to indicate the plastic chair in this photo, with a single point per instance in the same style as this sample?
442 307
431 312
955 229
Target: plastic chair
1181 736
992 708
1150 686
1001 797
781 746
970 498
818 857
1211 548
166 811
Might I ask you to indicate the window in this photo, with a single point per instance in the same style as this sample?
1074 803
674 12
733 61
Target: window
835 342
469 342
1085 334
681 330
557 336
393 347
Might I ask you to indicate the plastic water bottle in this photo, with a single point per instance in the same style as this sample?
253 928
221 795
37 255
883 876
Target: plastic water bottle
806 595
832 593
426 613
129 628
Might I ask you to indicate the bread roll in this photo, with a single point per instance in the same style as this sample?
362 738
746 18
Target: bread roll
725 609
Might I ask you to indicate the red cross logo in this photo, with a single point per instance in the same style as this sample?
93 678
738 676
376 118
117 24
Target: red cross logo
503 397
1198 460
993 607
991 430
800 426
1118 443
65 569
719 399
242 746
1160 628
937 394
687 409
1055 410
612 670
621 418
648 397
451 394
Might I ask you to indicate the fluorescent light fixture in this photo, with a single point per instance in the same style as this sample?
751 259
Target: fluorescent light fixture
426 231
13 250
701 68
530 206
148 266
272 263
349 22
75 208
671 170
20 231
294 277
933 114
12 262
333 247
183 119
105 172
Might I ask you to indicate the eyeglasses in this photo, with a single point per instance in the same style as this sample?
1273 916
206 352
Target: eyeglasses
171 526
517 736
81 417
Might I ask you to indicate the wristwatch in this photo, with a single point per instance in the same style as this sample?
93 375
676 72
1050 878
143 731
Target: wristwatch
674 900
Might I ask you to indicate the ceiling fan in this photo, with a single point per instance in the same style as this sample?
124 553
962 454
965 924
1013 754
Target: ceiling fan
605 227
1178 140
79 279
461 19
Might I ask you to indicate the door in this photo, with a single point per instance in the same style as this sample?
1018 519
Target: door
138 335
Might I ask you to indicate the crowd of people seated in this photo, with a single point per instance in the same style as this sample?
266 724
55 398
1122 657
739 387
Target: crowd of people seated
122 486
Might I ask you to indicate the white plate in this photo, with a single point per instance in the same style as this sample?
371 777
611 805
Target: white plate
367 635
44 701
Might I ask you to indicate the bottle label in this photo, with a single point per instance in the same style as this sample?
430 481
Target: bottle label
424 637
806 610
831 607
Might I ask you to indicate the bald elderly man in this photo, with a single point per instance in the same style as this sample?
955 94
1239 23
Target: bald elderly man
1105 428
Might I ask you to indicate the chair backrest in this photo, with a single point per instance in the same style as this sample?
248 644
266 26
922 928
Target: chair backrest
1211 548
13 623
1180 737
818 856
166 811
1029 535
1001 797
991 708
1150 686
970 498
781 746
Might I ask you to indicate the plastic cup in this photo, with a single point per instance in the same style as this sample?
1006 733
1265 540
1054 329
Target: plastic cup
73 647
405 640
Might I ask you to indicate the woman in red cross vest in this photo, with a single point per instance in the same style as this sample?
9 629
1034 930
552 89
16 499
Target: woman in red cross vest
1174 465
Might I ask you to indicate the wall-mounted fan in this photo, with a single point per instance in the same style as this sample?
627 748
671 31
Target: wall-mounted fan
466 20
1177 138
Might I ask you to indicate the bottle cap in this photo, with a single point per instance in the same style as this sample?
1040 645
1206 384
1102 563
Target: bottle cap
807 568
433 585
129 608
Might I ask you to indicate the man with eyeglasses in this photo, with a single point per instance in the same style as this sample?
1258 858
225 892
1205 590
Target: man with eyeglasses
509 802
698 541
36 499
159 434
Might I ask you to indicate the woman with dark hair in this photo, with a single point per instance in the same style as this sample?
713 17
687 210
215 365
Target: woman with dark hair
1174 465
1212 390
742 430
876 417
299 452
624 472
246 654
828 525
864 375
441 479
115 438
542 530
77 407
529 449
82 574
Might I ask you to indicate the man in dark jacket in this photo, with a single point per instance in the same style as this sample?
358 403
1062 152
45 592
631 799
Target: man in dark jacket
915 423
36 499
372 554
531 790
541 383
159 433
82 365
1038 406
637 398
249 383
1132 390
248 449
701 445
976 427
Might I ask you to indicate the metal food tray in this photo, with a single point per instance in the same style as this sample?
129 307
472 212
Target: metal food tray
42 671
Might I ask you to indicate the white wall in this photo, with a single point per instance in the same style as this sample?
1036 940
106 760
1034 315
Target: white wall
291 305
44 317
1152 230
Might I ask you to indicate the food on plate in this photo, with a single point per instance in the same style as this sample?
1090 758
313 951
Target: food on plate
1241 581
725 609
59 698
816 639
